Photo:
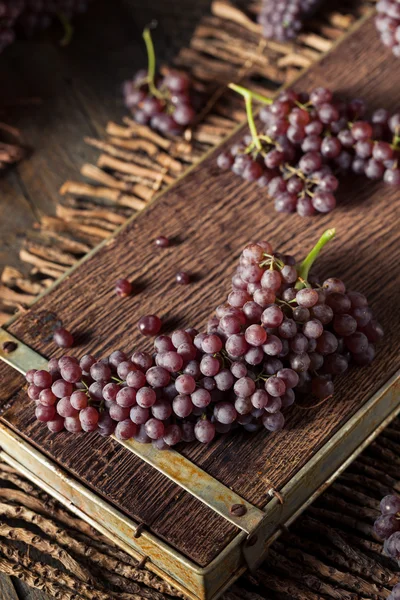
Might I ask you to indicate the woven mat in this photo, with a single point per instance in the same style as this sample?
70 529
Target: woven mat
135 163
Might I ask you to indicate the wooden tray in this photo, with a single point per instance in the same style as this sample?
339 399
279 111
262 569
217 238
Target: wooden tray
212 215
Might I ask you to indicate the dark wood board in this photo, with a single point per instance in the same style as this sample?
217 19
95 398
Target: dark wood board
214 215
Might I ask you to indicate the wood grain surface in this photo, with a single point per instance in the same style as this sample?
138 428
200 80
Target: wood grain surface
212 216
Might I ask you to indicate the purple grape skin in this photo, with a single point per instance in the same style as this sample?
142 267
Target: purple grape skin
390 505
386 525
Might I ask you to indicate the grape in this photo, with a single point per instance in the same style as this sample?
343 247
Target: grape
100 372
63 338
204 431
273 346
79 400
386 525
272 316
149 325
274 405
236 346
273 422
225 413
65 408
390 505
45 413
124 368
224 380
211 344
307 298
255 335
244 387
201 398
157 377
135 379
162 241
185 384
46 397
125 430
321 387
123 288
86 362
357 342
56 425
334 364
154 428
182 278
304 144
72 424
61 388
41 379
182 405
89 416
126 397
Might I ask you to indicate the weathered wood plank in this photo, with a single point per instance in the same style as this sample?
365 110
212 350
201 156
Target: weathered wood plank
7 590
214 215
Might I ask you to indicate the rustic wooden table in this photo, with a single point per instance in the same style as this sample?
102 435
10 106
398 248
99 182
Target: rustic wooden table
78 89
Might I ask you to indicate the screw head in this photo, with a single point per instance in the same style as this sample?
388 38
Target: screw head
251 541
9 347
238 510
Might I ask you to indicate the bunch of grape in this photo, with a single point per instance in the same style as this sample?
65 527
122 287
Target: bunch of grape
279 333
170 111
388 24
307 142
283 19
29 16
165 103
387 528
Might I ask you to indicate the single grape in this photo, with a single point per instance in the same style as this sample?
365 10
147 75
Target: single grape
123 288
63 338
149 325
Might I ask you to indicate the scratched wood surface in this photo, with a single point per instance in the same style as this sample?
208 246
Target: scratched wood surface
212 215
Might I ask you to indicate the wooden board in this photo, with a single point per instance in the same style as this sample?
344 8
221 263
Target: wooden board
213 215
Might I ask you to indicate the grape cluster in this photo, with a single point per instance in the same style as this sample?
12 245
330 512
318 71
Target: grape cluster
387 528
29 16
278 334
307 142
165 103
388 24
283 19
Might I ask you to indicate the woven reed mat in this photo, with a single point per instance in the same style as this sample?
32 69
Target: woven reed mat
135 163
329 553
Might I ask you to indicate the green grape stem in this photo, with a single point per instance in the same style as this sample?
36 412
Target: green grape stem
248 96
151 57
304 267
68 29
